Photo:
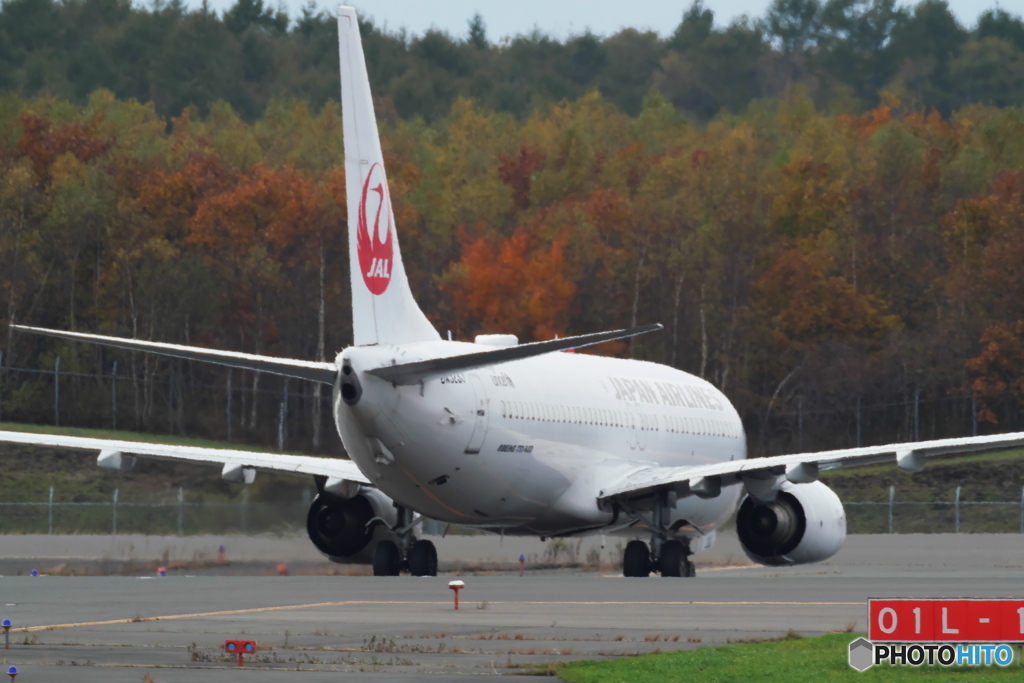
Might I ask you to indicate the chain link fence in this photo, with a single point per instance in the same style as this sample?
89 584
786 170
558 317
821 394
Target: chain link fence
185 516
182 515
896 516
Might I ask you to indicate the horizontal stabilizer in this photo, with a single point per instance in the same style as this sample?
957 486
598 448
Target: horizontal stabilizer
315 372
413 373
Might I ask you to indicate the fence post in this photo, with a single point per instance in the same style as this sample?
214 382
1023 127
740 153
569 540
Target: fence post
957 509
245 510
56 392
1 385
115 513
892 495
181 511
50 520
1022 510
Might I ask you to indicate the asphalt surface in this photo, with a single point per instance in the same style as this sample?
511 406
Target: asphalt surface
125 628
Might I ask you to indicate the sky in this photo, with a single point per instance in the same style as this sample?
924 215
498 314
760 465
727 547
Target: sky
560 18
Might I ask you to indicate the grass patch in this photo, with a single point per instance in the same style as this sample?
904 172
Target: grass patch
924 501
940 461
28 472
793 661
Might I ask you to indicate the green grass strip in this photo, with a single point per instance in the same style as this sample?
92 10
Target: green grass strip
809 660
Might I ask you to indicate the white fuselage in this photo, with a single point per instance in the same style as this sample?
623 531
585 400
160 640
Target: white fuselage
527 446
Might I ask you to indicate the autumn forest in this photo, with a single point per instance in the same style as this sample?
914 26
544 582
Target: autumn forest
845 274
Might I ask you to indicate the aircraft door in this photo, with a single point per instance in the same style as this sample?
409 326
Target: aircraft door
481 408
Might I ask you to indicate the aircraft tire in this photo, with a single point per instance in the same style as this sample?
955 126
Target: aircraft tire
636 561
673 559
386 561
423 559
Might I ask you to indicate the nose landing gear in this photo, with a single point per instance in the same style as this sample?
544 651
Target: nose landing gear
418 557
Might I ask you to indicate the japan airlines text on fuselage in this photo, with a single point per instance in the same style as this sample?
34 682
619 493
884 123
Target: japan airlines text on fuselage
526 445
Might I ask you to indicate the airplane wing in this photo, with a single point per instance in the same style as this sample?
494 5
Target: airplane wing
761 476
238 465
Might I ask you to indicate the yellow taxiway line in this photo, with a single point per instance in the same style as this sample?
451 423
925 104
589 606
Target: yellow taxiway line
253 610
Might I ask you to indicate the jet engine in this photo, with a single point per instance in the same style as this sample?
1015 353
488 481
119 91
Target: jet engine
805 523
339 527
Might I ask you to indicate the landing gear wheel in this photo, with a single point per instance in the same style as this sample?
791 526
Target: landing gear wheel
689 569
386 561
423 559
673 559
636 561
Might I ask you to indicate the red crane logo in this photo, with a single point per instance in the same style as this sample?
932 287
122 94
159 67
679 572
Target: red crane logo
376 246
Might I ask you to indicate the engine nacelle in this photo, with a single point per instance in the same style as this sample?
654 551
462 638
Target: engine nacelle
338 526
806 523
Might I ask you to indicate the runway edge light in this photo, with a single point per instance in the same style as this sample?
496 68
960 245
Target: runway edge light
456 586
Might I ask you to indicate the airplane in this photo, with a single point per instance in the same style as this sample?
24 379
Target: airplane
515 439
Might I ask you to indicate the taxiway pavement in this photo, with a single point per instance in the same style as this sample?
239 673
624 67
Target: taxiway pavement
310 628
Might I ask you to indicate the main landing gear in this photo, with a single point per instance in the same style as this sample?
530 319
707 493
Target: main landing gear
674 560
669 558
418 557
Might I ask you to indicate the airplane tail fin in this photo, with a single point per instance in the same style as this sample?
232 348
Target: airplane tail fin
383 308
